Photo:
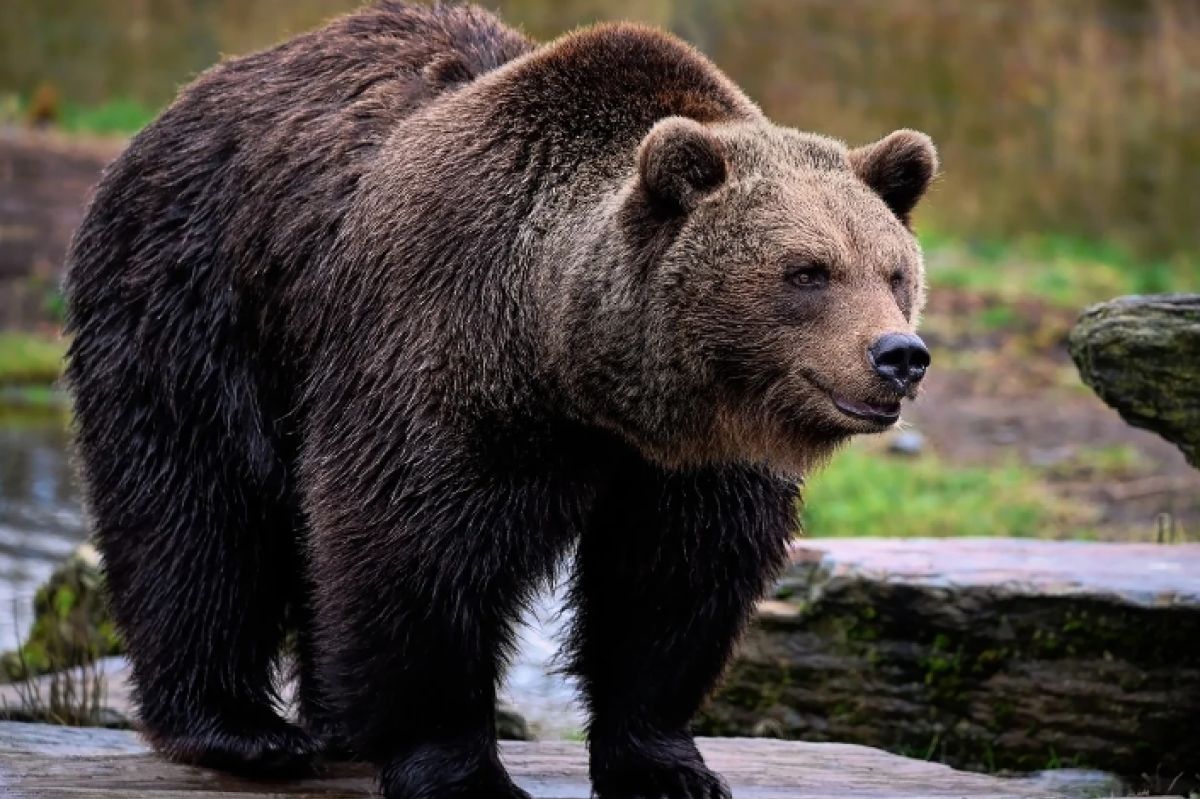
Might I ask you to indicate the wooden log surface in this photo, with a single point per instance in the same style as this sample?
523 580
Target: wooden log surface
47 762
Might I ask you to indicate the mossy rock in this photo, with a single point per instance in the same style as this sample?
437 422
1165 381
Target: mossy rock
1141 355
511 725
71 626
985 654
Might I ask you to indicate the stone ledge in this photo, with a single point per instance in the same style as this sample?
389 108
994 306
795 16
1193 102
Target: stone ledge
1146 575
983 653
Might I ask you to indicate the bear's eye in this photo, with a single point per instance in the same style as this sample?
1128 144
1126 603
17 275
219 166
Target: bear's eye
897 281
808 276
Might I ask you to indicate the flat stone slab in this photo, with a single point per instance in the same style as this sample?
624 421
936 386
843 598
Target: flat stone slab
1150 575
45 762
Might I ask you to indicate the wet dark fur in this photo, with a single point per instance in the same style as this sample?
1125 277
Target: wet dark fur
310 307
259 372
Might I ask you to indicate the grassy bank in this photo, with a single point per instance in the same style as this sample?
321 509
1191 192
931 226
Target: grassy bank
119 117
1063 271
30 367
865 491
29 360
116 117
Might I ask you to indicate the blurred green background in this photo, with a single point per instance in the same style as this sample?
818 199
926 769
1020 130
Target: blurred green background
1075 118
1070 138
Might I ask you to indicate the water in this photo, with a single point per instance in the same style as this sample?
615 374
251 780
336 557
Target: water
41 522
40 517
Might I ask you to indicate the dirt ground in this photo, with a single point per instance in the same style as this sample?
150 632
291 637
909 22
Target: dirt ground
1007 390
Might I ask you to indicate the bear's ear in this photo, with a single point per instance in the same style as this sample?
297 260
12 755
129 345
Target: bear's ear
680 161
899 167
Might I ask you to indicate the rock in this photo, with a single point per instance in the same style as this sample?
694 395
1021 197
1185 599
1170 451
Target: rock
1078 782
1142 356
71 626
907 442
55 673
511 725
984 654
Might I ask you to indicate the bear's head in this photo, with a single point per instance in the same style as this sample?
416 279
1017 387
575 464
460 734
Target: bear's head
777 287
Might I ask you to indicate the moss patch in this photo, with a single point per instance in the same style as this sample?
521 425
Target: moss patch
980 678
71 626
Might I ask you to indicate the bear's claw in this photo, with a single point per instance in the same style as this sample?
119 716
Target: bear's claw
272 748
668 769
687 782
448 771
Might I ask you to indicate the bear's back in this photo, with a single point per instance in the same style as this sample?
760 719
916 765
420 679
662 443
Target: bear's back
242 183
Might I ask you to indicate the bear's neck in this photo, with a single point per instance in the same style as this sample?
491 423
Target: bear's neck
510 188
570 117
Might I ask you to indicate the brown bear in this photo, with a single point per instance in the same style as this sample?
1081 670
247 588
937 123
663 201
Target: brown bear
372 329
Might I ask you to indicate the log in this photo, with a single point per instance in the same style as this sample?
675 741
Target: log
982 653
1141 355
46 762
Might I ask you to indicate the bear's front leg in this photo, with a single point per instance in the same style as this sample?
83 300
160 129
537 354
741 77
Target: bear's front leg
668 571
420 566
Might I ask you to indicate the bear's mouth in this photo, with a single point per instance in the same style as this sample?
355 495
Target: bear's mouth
883 414
886 413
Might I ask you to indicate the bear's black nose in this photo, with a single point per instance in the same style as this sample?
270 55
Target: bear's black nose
901 359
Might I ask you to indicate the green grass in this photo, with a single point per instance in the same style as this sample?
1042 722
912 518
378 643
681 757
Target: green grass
865 492
999 317
1103 463
119 116
27 359
1062 270
112 118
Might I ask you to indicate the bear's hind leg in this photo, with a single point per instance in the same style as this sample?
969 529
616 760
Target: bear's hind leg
667 572
197 545
202 610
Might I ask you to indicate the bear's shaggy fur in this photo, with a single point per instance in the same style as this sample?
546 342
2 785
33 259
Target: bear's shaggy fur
371 328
